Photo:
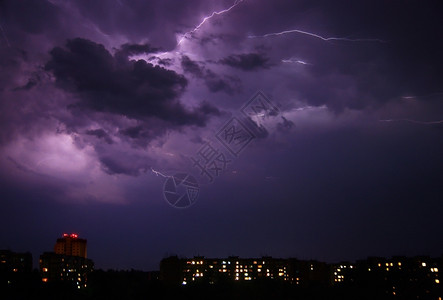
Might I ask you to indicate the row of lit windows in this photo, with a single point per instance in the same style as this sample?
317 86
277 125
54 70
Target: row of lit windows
194 262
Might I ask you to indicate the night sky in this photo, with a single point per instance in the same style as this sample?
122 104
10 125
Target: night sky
102 101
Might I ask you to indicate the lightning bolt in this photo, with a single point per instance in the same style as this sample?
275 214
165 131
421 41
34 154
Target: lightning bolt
291 60
315 36
159 173
413 121
237 2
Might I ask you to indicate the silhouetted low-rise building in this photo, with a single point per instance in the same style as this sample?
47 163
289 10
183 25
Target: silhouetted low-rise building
65 268
400 277
214 270
14 267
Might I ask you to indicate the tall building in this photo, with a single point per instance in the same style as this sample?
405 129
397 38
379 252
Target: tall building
71 244
68 262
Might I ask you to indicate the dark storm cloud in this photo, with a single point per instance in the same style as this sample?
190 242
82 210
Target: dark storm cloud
340 177
286 125
214 82
191 66
131 49
142 134
117 165
246 62
127 50
135 89
101 134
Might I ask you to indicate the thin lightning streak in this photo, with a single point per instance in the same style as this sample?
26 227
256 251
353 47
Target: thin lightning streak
422 96
168 176
294 61
413 121
316 36
159 173
237 2
310 107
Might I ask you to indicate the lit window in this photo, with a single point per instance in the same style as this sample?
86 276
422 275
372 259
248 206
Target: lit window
423 264
369 269
437 281
45 269
399 264
392 264
184 282
45 279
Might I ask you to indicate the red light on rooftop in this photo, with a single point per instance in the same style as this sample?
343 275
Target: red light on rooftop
72 235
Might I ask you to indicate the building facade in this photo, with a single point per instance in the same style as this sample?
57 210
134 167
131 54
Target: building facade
71 244
68 263
399 277
14 267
